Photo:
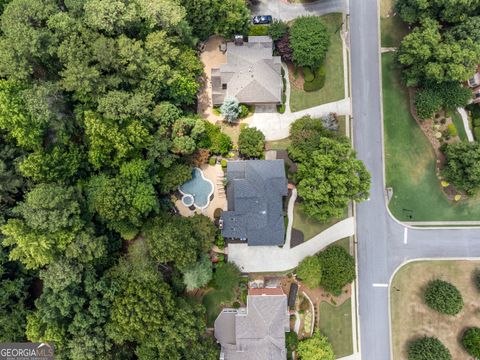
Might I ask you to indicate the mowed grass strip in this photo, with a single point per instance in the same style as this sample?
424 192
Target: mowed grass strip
334 85
392 27
412 318
410 161
336 324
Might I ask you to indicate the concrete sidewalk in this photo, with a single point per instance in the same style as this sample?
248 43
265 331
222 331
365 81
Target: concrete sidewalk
276 126
277 259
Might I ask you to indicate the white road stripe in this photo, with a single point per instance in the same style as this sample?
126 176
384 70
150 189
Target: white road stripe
379 285
405 236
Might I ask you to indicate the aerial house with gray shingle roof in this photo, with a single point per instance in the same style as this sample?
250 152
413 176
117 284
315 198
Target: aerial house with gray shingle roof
256 332
255 191
251 75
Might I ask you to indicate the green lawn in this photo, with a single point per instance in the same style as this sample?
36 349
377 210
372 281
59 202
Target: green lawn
458 122
393 29
278 144
334 87
336 324
410 161
311 226
344 243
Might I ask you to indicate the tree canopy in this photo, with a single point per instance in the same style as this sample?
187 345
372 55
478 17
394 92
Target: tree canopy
251 142
310 271
330 177
338 268
462 165
309 40
316 347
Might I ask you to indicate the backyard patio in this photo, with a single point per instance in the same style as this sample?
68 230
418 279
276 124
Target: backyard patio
215 175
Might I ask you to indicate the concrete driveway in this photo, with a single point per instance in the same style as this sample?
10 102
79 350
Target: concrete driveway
276 126
280 9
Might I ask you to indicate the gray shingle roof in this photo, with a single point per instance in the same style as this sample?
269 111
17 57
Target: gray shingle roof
252 74
255 193
259 331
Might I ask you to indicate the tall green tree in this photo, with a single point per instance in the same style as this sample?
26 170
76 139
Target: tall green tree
251 142
125 200
426 54
330 178
310 41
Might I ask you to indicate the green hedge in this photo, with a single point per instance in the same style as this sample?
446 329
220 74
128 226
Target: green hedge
258 30
308 74
476 121
212 161
318 82
281 108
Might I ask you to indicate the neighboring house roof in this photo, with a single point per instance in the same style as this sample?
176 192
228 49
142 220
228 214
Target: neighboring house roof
251 74
255 190
259 330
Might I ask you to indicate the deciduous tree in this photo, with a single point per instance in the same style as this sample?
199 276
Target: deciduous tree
310 41
251 142
316 347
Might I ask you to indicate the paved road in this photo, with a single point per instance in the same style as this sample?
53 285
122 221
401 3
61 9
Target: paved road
280 9
384 244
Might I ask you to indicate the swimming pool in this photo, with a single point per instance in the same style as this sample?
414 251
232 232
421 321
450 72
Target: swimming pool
199 188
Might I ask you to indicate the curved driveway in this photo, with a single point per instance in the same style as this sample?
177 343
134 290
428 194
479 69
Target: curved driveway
383 243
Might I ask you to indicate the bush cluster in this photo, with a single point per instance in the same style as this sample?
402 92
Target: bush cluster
475 113
215 140
443 297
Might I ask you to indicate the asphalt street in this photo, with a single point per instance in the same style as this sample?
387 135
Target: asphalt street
383 243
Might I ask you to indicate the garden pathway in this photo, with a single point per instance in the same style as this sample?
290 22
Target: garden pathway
464 116
276 126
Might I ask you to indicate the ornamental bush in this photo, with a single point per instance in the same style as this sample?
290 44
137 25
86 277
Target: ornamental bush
277 29
310 271
318 82
471 341
316 347
428 348
452 130
338 268
443 297
462 165
230 109
251 142
308 74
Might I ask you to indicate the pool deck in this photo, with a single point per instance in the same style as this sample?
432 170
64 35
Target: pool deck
215 175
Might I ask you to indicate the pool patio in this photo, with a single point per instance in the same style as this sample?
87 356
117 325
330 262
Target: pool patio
215 174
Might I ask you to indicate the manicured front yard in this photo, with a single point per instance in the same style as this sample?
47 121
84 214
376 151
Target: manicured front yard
393 29
336 324
334 85
311 226
278 144
410 161
411 318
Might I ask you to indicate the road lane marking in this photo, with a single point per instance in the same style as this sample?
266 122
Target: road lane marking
405 236
379 285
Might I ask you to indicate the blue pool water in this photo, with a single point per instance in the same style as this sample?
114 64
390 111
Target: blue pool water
198 187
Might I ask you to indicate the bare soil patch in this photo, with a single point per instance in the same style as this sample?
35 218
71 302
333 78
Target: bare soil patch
411 318
295 76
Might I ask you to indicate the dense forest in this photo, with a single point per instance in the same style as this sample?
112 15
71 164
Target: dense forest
97 126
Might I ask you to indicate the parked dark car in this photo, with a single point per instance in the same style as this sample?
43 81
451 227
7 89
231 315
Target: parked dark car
262 19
